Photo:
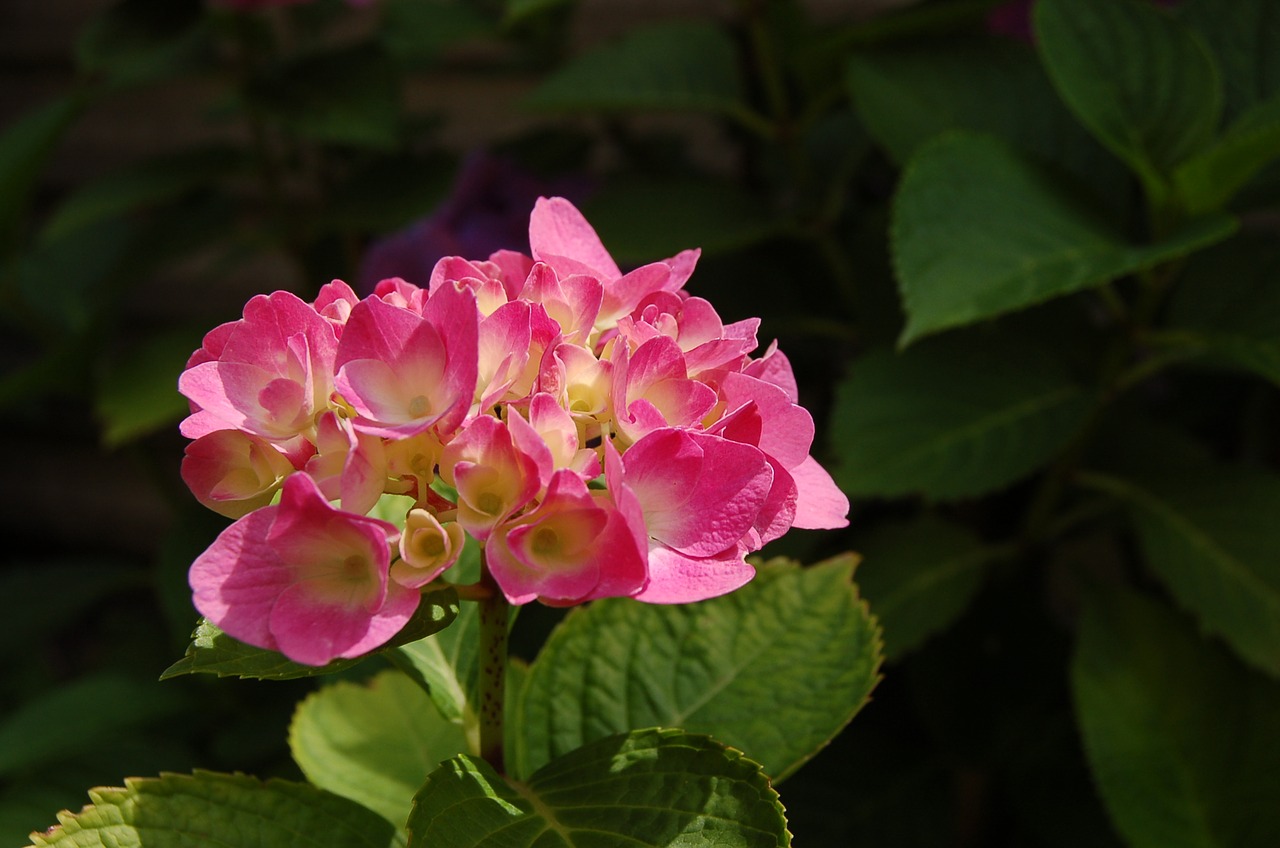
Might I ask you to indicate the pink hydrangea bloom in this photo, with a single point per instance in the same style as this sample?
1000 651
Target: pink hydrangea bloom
600 433
304 578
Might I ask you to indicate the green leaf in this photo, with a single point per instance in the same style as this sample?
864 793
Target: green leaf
1207 531
647 788
149 182
776 668
979 231
445 664
640 219
392 508
1180 738
674 66
908 96
952 418
214 652
519 12
70 281
1208 180
1142 82
415 32
47 595
60 723
349 96
374 743
139 41
25 145
1227 303
918 577
1244 38
179 811
138 393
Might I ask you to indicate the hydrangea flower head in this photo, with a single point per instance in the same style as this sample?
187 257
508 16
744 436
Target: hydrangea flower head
599 433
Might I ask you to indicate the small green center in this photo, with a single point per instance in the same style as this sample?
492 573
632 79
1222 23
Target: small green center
545 542
489 503
419 406
432 544
355 568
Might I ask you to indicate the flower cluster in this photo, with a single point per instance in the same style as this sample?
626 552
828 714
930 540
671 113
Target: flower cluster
601 434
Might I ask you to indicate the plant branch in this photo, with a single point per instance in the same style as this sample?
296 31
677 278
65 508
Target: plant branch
494 612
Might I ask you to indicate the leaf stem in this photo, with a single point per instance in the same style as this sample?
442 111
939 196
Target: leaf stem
494 612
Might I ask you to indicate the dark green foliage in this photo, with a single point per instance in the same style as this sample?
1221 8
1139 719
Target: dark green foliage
1031 293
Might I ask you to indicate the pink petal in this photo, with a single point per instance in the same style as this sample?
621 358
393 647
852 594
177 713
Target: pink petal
237 580
558 229
787 430
700 493
678 579
820 504
315 634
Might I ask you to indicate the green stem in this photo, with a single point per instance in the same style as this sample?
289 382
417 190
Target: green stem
494 612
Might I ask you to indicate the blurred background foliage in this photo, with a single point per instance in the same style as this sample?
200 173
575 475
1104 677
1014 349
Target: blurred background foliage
1026 264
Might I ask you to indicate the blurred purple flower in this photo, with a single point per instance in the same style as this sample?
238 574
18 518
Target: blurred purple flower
1014 19
487 210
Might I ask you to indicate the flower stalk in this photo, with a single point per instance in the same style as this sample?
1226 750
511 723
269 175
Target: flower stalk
494 613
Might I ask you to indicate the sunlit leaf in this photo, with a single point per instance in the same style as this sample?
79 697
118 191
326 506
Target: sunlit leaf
647 788
776 668
179 811
374 743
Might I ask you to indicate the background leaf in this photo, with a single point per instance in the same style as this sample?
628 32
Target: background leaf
60 722
918 577
777 668
25 145
138 392
1142 82
1228 301
908 95
1244 38
1206 531
952 418
349 97
643 218
650 787
148 182
374 743
177 811
1210 179
979 231
133 42
1181 739
415 32
676 66
214 652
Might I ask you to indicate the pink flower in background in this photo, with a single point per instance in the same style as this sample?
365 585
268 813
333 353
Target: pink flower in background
493 397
